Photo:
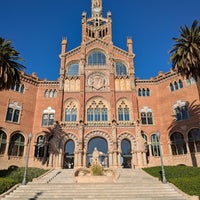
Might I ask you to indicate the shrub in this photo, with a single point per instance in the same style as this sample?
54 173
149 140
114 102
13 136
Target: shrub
184 177
96 170
6 184
12 176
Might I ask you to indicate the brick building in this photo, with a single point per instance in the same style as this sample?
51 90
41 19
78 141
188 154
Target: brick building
98 102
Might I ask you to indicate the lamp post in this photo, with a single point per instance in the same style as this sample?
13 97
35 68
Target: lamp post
27 158
164 180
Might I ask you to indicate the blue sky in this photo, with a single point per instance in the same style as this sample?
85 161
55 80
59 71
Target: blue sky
37 27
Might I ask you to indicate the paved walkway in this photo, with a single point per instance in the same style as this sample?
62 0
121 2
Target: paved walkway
131 185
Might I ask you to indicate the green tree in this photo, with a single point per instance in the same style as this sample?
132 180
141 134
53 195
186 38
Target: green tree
10 69
185 54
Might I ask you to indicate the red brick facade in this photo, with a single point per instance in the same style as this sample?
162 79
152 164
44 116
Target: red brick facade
98 97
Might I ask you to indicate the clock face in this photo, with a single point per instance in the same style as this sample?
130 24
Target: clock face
97 9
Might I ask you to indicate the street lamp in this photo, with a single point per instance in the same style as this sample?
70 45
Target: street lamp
27 157
164 180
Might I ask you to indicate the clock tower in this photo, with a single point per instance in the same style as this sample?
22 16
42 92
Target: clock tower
96 8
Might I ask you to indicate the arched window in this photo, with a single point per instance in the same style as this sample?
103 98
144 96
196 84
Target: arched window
17 88
96 58
180 84
123 112
194 140
181 112
48 117
97 111
73 70
178 145
171 87
175 85
22 89
120 69
71 112
104 114
46 93
146 116
126 153
139 92
55 93
39 147
143 117
155 145
3 138
149 118
143 92
51 93
147 92
16 147
13 112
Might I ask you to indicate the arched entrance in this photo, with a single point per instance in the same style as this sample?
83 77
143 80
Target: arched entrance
69 155
126 157
102 146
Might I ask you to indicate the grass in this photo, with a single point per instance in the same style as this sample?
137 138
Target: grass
13 176
185 178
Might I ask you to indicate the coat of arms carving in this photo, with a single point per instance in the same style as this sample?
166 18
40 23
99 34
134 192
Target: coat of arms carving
97 81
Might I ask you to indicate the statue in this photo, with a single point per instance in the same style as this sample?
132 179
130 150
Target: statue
95 157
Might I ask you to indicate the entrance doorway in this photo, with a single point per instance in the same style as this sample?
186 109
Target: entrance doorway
69 155
102 146
126 156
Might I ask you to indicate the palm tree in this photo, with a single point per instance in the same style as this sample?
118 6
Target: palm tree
185 54
9 68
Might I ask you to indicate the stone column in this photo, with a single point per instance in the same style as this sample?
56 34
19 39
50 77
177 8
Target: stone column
7 148
133 163
50 159
60 159
110 159
84 158
80 153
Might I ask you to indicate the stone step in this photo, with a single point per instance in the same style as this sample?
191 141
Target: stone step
131 185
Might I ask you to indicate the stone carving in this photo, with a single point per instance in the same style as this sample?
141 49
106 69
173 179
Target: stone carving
97 81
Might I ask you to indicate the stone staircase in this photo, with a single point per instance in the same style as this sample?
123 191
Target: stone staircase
61 185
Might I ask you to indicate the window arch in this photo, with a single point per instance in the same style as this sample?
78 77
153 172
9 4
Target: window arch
180 110
146 116
39 147
73 70
71 111
16 147
120 69
171 87
97 111
13 112
155 145
180 84
147 92
96 58
139 92
48 117
175 85
3 138
123 112
178 145
194 140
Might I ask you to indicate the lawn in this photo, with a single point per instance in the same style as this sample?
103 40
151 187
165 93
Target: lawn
13 176
185 178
